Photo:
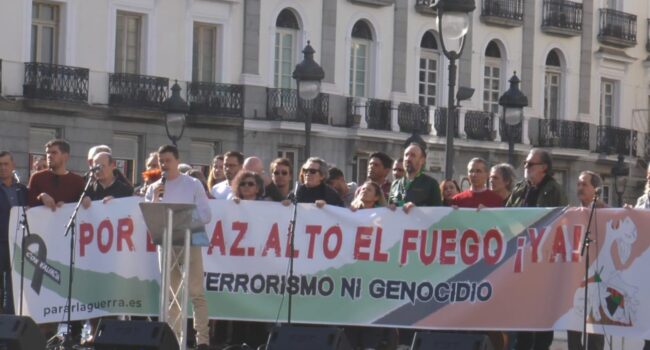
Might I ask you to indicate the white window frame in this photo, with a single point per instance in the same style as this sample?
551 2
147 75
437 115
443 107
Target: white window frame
40 24
492 63
429 55
549 74
146 8
352 89
604 119
121 67
278 73
361 162
201 29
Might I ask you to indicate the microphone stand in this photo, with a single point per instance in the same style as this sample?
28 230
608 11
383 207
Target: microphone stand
292 230
586 242
26 232
68 342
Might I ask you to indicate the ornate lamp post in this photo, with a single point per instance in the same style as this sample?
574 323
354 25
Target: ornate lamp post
177 110
308 75
513 102
453 25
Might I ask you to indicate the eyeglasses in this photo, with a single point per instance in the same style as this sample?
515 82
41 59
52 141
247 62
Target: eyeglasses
283 173
398 169
310 170
247 184
528 165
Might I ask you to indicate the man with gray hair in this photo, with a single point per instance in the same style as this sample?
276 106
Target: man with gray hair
313 188
478 193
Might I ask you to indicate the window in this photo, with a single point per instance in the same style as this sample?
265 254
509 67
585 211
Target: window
607 108
128 42
204 52
126 153
492 78
292 155
286 34
360 171
605 195
360 59
201 154
428 71
552 86
45 32
38 137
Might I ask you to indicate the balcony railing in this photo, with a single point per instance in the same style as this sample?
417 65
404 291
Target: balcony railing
378 114
282 104
514 130
562 17
614 140
563 133
55 82
413 117
617 28
218 99
479 125
440 122
509 13
424 7
133 90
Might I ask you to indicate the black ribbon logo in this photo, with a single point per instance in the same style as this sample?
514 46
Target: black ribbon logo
39 260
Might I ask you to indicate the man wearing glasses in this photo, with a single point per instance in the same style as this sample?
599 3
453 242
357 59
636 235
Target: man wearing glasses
398 169
538 189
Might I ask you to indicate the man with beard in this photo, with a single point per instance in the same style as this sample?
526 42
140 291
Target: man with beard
232 164
415 188
538 189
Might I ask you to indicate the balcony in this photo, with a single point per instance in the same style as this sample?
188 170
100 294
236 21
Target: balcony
440 122
505 13
424 7
216 99
374 3
479 125
515 130
282 104
617 28
562 17
378 114
563 133
133 90
55 82
614 140
413 118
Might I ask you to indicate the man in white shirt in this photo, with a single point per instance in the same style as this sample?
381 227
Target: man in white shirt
232 164
181 188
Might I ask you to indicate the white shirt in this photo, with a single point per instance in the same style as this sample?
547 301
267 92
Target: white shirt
222 190
184 190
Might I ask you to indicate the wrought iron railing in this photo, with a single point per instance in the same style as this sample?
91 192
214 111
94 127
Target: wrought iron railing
506 130
424 7
440 121
618 25
509 9
378 114
562 14
479 125
55 82
133 90
213 98
282 104
563 133
413 117
614 140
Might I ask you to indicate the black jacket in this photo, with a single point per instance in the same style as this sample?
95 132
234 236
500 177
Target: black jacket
322 191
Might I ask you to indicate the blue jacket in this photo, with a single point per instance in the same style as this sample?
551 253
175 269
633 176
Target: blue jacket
5 209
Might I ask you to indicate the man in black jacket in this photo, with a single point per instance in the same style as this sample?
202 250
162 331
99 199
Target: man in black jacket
415 188
12 194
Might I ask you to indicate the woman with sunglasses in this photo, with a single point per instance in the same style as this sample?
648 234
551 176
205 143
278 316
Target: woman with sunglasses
313 188
369 195
249 186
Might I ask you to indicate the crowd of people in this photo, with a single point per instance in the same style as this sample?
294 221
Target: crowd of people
392 183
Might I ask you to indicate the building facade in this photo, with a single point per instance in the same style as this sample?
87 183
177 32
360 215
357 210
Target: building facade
98 72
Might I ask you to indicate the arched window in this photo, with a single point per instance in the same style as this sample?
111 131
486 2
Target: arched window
286 39
360 59
428 70
492 78
552 85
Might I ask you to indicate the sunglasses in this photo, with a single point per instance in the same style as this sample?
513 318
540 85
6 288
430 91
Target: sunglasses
528 165
398 169
311 171
247 184
283 173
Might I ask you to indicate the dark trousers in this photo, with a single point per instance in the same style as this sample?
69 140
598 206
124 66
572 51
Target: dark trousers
595 341
534 340
646 346
6 292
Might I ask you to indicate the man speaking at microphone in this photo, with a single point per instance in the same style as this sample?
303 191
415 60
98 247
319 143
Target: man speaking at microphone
106 186
175 187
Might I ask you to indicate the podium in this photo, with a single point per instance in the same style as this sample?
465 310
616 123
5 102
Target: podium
170 226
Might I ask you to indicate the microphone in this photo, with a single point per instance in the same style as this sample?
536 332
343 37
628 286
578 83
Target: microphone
16 176
163 180
599 191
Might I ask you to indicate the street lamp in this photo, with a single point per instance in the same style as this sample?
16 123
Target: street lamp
308 75
453 25
176 109
513 102
620 172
